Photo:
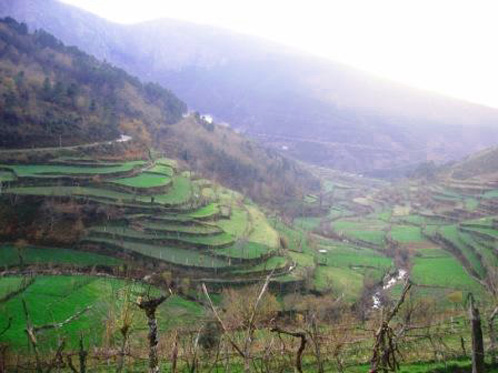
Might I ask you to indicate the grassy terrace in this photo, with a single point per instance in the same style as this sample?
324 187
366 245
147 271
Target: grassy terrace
196 229
452 234
273 263
206 211
144 180
337 255
490 259
161 169
261 231
9 256
179 193
341 280
443 271
58 170
55 298
371 231
7 176
238 224
245 250
406 234
221 239
9 285
174 255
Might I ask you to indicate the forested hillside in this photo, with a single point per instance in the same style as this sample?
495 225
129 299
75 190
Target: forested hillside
54 95
318 110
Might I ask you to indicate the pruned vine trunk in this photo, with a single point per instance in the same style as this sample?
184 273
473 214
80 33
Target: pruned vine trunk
477 340
150 307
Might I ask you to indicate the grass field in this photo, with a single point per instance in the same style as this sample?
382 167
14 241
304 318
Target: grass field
57 170
42 255
171 254
7 176
452 234
179 193
406 233
261 231
144 180
198 229
342 281
444 271
238 225
55 298
371 231
9 285
162 169
122 232
207 211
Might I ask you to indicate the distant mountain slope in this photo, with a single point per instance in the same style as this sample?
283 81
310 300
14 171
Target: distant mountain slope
483 165
347 118
52 95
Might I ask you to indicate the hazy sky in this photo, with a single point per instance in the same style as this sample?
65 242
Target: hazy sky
444 46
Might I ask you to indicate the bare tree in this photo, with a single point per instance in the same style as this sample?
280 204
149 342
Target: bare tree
477 340
243 350
149 306
32 332
492 334
384 357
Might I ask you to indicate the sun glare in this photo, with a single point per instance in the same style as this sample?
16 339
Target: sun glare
442 46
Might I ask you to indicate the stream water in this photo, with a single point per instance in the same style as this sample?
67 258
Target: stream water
389 282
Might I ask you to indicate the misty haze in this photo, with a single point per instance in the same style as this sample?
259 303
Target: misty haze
248 187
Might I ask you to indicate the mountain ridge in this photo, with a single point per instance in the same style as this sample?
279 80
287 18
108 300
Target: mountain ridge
268 90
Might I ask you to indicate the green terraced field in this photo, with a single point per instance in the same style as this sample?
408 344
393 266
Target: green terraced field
57 170
341 280
238 224
273 263
244 250
144 180
491 194
444 271
308 223
9 285
55 298
161 169
206 211
117 232
179 193
405 234
41 255
174 255
452 234
7 176
352 257
199 229
261 231
368 230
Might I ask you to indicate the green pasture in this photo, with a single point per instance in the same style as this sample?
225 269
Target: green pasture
445 271
55 298
452 234
238 224
7 176
406 234
144 180
9 255
58 170
174 255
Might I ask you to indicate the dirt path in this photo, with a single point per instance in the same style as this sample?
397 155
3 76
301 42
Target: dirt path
122 138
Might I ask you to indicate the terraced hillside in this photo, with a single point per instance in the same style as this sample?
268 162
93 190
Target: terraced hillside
444 232
144 210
